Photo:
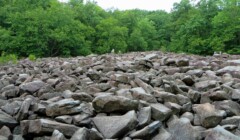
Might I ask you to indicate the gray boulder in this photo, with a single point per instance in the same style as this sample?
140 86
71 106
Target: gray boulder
108 103
32 87
116 126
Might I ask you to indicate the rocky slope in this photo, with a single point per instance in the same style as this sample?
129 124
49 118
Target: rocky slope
145 96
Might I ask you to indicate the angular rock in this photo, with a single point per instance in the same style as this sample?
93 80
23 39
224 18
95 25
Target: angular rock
140 94
144 116
7 120
219 95
205 85
145 86
44 126
188 80
10 91
208 114
64 119
231 107
57 135
95 135
63 107
233 70
160 112
121 78
82 96
182 129
32 87
81 134
23 111
116 126
235 120
146 131
219 133
182 62
12 108
108 103
82 119
163 134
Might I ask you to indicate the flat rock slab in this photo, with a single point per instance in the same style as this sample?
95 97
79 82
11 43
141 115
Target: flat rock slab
116 126
63 107
44 126
108 103
32 87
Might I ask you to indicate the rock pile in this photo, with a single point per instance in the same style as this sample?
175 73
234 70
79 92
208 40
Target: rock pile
146 96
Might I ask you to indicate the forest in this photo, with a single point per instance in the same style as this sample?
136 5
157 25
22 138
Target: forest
49 28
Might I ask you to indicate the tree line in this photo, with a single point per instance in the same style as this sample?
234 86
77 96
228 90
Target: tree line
48 28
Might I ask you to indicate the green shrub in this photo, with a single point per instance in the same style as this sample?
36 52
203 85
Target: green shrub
32 57
10 58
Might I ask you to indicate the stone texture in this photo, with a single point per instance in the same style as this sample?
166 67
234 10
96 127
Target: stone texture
116 126
108 103
208 114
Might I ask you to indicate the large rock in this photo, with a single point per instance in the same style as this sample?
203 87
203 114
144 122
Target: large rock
116 126
7 120
44 126
32 87
231 107
144 116
219 133
23 111
209 116
233 70
160 112
139 93
63 107
108 103
205 85
181 129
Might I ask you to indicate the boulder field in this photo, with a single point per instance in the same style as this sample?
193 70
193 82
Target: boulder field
133 96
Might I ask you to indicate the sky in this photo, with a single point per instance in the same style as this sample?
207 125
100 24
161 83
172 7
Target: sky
140 4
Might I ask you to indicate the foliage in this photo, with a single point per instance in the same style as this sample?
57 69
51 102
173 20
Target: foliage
32 57
10 58
51 28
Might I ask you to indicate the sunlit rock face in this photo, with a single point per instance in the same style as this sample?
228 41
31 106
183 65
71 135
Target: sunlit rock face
148 95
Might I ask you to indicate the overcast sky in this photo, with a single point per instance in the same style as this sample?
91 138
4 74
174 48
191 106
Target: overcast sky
140 4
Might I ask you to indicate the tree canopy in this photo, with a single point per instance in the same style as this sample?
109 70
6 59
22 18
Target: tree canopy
51 28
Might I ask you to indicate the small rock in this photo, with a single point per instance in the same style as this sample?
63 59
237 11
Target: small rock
82 96
64 119
5 131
